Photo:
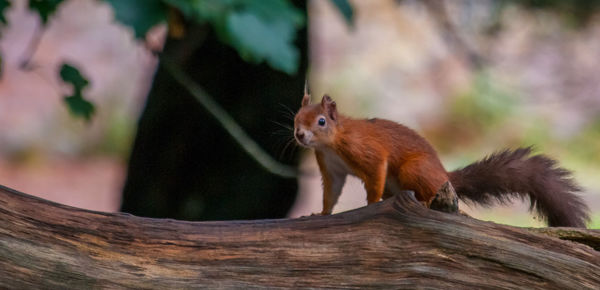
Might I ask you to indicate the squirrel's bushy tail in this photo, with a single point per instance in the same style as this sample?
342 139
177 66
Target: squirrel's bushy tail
506 174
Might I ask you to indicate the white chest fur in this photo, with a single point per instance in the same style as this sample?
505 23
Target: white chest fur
338 167
334 163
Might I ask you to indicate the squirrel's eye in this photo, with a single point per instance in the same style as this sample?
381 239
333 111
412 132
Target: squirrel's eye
322 121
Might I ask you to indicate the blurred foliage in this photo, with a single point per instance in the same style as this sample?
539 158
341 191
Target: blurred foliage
577 12
118 139
45 8
595 223
260 31
346 10
483 110
140 15
76 103
70 74
590 136
486 102
3 5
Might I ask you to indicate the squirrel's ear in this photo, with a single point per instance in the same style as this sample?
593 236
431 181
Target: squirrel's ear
305 100
329 107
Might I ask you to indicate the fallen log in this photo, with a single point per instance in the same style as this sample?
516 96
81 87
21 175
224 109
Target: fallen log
396 243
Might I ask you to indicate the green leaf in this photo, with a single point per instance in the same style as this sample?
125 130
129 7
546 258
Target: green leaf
257 40
212 11
141 15
45 8
346 9
3 5
275 10
78 106
260 30
203 10
186 7
70 74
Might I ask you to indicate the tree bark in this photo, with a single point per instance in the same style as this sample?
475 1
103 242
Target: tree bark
396 243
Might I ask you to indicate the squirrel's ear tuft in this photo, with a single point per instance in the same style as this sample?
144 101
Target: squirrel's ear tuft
306 98
306 91
329 106
326 99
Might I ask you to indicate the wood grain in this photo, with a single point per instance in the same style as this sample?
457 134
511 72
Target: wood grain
396 243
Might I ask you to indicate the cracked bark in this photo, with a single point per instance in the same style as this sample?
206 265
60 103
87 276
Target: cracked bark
395 243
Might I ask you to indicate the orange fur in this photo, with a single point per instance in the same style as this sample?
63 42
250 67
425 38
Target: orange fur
389 157
385 155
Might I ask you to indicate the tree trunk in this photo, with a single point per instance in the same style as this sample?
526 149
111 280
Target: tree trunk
179 146
395 243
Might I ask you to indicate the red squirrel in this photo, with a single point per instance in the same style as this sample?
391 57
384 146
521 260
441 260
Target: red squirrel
389 157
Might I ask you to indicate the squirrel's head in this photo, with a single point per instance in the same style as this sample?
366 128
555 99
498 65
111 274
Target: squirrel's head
315 125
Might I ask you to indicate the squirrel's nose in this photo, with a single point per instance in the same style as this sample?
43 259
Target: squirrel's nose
299 134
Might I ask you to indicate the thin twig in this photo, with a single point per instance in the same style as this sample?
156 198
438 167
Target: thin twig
228 123
32 47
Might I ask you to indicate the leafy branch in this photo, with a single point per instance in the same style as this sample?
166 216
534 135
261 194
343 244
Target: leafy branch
45 9
77 104
260 31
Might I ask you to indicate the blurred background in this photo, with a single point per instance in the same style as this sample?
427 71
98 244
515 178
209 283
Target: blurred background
137 105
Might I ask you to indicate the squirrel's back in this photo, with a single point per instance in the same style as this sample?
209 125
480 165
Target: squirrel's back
393 136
